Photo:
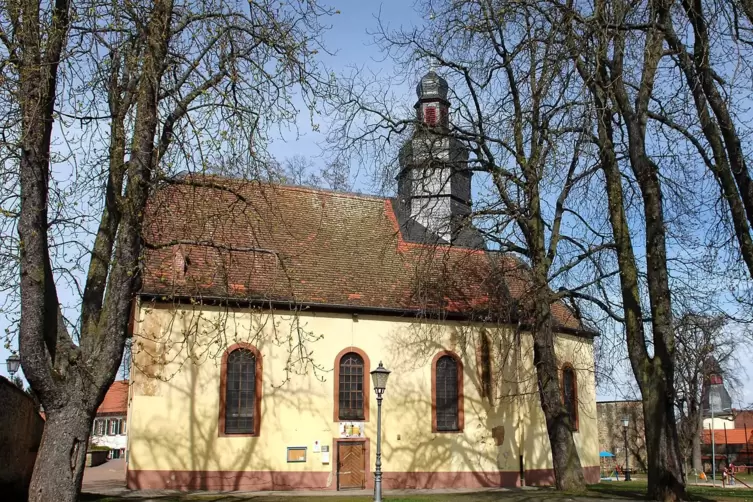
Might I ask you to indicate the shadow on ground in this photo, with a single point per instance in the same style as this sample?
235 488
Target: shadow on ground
529 495
605 492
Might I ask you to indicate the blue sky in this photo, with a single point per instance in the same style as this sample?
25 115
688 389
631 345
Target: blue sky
354 47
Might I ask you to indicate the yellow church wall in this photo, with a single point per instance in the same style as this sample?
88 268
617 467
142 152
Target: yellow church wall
173 420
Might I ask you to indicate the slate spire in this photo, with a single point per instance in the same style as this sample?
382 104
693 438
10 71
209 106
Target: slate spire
434 183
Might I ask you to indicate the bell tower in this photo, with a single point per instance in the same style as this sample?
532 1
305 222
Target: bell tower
434 183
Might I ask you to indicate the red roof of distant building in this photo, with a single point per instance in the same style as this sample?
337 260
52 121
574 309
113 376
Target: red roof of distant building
116 399
214 237
730 436
743 419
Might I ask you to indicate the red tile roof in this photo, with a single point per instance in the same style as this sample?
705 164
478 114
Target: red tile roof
743 419
733 436
116 399
219 238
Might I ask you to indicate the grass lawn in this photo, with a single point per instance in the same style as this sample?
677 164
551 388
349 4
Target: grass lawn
636 490
610 491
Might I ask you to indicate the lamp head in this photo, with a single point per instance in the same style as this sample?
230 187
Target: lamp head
379 377
13 362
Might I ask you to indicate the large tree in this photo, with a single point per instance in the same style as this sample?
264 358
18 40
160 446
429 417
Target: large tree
620 50
620 71
519 111
101 102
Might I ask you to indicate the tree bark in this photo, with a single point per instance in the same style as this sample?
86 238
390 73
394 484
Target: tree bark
59 474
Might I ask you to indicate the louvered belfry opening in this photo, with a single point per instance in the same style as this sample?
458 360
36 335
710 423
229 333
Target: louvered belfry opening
350 392
430 116
240 399
447 394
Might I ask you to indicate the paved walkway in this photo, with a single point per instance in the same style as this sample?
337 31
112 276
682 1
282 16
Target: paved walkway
108 478
303 494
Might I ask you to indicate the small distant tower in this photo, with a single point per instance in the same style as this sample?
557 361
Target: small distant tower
434 183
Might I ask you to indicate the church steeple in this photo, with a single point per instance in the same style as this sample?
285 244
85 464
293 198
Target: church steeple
432 107
434 184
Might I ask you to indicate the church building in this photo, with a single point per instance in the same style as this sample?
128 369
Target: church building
265 307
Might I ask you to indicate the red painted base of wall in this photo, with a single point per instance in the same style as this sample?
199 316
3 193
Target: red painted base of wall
278 480
226 480
411 480
545 477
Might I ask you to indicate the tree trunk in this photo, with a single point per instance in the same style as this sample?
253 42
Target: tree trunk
665 481
697 461
568 472
63 450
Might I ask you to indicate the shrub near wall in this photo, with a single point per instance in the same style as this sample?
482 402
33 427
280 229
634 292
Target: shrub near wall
20 434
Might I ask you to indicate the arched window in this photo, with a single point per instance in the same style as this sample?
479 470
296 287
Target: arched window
570 394
447 393
240 391
352 385
484 362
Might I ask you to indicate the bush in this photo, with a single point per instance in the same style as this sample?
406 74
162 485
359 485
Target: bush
94 447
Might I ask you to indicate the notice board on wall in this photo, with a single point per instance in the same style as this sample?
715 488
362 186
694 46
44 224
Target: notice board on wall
296 453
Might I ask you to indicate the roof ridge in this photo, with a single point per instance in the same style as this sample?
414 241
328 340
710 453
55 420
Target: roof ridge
328 191
291 187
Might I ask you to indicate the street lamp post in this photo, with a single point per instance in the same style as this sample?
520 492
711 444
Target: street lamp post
13 363
379 377
715 403
625 424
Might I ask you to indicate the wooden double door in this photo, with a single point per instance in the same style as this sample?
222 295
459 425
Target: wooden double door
351 465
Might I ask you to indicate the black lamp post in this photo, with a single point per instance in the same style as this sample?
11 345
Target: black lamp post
625 424
379 377
13 362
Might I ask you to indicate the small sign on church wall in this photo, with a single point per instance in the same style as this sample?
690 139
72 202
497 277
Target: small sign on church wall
296 454
352 429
